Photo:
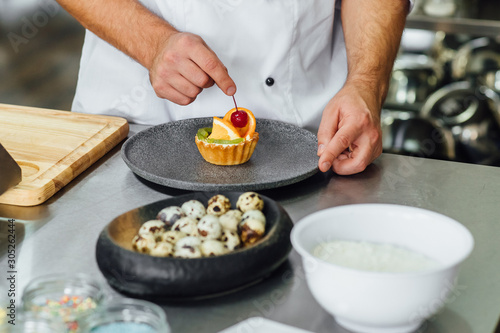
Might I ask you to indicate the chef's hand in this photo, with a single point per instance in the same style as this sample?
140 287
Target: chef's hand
183 66
349 135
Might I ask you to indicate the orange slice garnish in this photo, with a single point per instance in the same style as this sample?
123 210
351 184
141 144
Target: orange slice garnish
246 131
223 130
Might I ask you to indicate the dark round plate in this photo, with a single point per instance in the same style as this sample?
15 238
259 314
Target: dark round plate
166 154
145 276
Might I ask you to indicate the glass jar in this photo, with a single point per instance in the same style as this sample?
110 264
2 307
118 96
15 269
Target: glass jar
27 322
63 298
127 316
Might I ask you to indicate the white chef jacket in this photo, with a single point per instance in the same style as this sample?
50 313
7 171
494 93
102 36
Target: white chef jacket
298 44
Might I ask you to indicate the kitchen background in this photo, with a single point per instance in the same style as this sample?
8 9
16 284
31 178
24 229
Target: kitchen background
443 102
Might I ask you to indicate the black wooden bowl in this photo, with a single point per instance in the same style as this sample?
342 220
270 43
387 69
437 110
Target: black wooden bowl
144 276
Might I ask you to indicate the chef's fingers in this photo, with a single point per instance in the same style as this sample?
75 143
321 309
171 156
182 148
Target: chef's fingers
178 90
208 61
181 84
327 129
356 160
195 75
341 141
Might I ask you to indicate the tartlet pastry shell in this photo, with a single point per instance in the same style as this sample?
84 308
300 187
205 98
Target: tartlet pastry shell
227 154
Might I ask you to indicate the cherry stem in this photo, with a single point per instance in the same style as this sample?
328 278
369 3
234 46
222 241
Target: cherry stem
235 104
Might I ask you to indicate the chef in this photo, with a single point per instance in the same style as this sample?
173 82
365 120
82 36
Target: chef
319 64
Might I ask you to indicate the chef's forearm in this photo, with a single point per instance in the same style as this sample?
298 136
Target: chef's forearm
372 32
125 24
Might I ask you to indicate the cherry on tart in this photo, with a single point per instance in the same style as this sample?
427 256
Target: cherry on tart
231 140
239 118
249 128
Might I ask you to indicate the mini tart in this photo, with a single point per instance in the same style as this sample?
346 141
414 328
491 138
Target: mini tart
227 154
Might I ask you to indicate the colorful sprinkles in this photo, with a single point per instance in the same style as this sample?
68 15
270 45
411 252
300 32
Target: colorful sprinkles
67 308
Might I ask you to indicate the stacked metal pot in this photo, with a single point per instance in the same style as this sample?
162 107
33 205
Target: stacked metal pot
444 99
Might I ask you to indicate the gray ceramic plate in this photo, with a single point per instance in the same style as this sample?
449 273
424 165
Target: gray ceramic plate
166 154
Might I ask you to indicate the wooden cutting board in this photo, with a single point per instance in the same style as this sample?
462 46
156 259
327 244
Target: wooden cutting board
53 147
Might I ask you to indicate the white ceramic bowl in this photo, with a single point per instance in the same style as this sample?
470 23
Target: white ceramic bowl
367 301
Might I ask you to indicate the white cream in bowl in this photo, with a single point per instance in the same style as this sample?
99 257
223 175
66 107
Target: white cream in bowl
376 257
386 299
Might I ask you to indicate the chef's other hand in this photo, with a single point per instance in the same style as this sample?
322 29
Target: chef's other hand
183 66
349 135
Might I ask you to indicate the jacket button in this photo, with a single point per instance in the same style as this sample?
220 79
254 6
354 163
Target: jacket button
269 81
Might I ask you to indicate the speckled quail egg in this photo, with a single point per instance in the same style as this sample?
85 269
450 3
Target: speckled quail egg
230 239
251 230
194 209
170 215
231 219
188 252
152 227
162 249
188 247
209 227
253 214
186 225
249 201
218 205
188 241
212 247
236 213
144 243
172 236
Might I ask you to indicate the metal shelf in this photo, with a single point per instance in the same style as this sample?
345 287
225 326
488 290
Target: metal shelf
487 28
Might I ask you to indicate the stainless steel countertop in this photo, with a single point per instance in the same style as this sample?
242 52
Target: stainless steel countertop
60 236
